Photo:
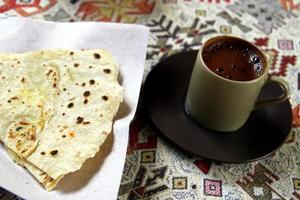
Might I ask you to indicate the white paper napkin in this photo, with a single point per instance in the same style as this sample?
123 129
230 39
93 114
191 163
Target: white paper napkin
100 177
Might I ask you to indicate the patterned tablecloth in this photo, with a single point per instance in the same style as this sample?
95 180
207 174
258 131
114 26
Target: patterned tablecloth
156 170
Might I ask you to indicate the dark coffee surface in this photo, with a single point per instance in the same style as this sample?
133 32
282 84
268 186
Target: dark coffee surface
233 59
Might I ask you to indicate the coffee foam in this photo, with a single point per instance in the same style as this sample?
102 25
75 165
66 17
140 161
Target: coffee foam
233 59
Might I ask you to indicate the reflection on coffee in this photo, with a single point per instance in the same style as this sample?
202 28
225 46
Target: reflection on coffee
233 59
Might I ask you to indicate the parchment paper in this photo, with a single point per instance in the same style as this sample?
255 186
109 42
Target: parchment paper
100 176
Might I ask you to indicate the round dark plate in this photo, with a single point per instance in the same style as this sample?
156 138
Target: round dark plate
165 90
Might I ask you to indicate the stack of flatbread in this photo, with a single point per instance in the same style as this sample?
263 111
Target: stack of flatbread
56 109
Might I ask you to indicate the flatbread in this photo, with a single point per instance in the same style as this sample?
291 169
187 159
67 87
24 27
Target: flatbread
48 182
57 108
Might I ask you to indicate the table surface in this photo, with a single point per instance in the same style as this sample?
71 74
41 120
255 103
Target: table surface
154 169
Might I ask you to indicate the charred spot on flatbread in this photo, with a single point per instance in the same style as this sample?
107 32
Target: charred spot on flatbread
97 56
107 71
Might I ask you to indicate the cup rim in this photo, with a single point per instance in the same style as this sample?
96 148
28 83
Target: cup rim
229 80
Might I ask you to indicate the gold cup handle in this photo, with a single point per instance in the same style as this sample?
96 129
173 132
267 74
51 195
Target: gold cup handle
274 100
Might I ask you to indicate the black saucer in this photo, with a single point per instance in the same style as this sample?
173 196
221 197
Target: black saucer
263 133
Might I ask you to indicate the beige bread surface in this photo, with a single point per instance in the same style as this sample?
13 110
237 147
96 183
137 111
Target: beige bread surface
57 108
